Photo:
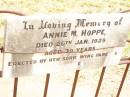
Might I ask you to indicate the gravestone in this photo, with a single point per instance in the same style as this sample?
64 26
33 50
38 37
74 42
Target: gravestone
55 42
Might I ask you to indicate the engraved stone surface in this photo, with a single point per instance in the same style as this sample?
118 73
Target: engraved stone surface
51 43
